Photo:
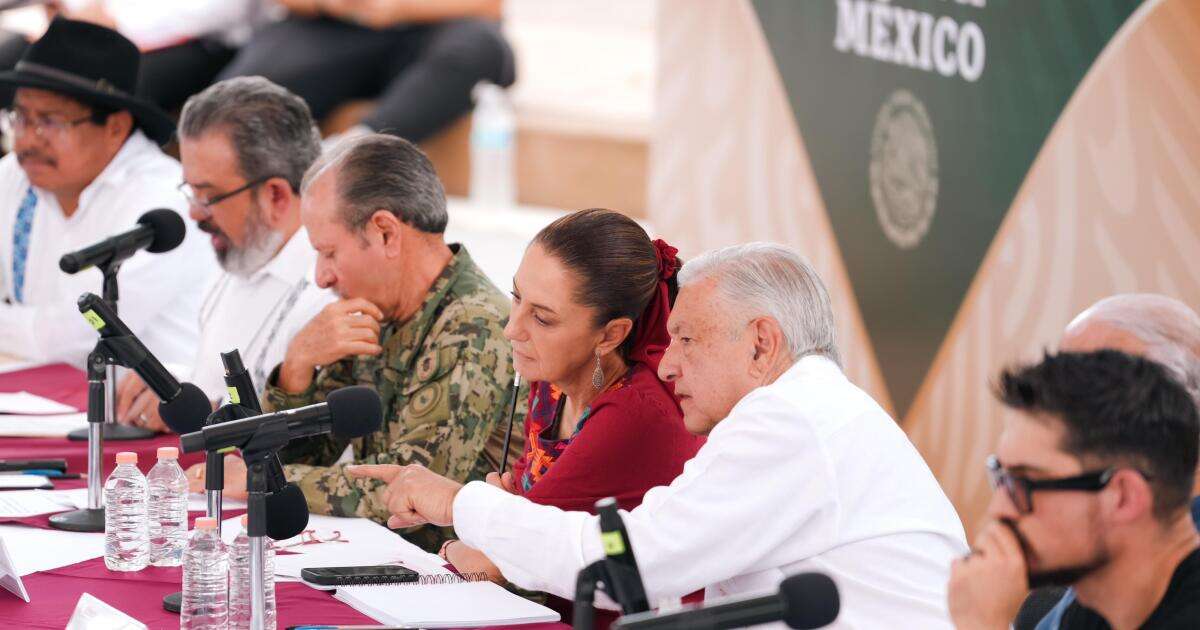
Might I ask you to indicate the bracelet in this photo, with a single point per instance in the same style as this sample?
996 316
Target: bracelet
442 551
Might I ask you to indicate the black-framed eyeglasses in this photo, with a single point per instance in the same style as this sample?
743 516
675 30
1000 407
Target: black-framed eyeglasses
189 193
1020 489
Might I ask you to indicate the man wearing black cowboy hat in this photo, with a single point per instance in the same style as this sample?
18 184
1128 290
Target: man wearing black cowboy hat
85 164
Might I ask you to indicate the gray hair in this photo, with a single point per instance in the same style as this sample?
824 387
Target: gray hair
271 129
1169 329
758 279
381 172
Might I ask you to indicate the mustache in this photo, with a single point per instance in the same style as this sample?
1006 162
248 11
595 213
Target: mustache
34 154
207 226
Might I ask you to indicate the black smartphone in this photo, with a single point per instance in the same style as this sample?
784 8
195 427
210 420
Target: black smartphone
349 576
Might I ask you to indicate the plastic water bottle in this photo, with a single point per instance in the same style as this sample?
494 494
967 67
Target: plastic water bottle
493 148
239 582
205 579
126 538
167 509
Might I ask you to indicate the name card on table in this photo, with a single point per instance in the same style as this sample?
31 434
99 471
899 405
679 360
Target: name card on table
9 578
93 614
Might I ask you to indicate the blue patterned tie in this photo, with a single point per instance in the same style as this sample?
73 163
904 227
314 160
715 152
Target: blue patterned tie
21 243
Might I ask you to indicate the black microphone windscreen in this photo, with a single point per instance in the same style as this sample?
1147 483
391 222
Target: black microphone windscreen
810 600
169 229
187 411
287 512
354 411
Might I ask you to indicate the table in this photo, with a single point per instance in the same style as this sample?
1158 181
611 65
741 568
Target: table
54 593
68 385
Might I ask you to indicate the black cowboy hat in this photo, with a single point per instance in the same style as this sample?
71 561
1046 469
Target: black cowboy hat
96 65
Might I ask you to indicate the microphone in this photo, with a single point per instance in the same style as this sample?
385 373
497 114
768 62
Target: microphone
805 600
348 412
158 231
619 560
183 407
287 510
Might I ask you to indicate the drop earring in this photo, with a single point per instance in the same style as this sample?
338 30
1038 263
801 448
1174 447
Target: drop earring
598 373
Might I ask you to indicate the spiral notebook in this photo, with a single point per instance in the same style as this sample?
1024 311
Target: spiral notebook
450 605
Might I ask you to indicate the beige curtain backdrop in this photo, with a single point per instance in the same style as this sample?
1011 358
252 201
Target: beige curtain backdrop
727 164
1111 204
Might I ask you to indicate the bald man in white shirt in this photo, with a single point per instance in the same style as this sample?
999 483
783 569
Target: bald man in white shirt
245 145
85 165
802 471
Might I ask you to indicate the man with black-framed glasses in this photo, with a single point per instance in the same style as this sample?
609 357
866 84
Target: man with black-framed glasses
1092 482
245 144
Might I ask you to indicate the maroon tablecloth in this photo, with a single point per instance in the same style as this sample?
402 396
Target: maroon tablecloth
53 594
68 385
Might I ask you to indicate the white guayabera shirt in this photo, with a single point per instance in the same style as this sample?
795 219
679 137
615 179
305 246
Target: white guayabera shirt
258 315
159 293
805 474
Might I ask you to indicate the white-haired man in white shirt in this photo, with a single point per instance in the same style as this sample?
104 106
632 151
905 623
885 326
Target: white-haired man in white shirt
802 471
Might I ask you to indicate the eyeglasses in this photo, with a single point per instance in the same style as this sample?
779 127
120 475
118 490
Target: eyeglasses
1020 489
189 193
313 537
14 122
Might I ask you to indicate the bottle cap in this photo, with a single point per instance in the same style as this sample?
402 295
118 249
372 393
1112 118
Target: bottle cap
126 457
168 452
206 522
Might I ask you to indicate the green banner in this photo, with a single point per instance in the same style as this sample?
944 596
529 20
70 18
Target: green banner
922 118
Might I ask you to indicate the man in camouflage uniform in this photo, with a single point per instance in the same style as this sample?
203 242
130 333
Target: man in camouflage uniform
418 321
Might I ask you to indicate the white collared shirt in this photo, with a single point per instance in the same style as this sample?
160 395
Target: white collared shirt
805 474
258 315
159 293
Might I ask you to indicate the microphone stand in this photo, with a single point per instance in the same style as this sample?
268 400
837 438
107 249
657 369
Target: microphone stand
91 519
594 577
268 438
111 430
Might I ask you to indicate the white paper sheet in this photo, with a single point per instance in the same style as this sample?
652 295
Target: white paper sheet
23 503
10 580
28 404
461 605
198 502
329 532
33 549
17 481
76 498
13 425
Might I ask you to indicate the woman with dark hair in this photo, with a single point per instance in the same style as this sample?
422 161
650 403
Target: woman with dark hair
588 327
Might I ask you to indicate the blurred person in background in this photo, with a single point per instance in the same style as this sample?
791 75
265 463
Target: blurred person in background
419 59
184 43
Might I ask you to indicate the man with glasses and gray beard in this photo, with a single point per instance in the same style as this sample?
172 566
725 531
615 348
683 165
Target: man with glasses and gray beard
245 144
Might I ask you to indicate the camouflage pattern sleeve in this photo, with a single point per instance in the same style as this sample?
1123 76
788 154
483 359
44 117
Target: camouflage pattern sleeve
444 427
317 449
